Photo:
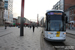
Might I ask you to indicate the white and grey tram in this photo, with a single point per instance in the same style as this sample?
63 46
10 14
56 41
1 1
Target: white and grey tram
55 26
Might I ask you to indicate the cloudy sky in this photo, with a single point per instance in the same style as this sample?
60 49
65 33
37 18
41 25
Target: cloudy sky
32 8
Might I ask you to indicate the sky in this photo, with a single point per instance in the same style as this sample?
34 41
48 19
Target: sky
32 8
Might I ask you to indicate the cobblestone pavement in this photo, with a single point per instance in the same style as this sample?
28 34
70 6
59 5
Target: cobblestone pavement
10 39
71 31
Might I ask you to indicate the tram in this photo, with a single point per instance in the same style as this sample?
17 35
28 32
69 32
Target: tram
55 26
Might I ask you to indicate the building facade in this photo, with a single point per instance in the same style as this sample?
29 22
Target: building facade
64 4
26 21
8 12
69 3
41 22
59 5
71 11
1 12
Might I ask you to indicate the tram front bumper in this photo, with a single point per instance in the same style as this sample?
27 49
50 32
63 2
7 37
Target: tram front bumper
55 40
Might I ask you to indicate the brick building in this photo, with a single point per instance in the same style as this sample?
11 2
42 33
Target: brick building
70 12
71 16
69 3
1 12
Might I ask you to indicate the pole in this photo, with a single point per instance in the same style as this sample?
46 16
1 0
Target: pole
64 5
22 19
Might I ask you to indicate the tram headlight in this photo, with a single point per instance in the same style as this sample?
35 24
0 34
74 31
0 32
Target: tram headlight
65 33
49 33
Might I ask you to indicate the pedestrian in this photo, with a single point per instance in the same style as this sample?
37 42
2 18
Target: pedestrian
5 27
33 28
30 27
72 25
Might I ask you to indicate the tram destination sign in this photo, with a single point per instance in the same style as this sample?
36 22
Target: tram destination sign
54 13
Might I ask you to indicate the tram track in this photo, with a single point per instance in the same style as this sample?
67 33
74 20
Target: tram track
70 35
57 45
47 45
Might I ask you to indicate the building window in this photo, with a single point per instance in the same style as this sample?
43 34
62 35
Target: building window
73 18
70 12
6 5
74 11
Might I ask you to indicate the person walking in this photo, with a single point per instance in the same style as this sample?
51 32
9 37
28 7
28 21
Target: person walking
30 27
5 27
33 28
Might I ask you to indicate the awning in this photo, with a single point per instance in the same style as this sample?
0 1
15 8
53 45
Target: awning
17 23
8 22
71 21
24 24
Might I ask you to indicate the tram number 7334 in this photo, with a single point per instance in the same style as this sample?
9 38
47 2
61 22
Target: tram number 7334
55 26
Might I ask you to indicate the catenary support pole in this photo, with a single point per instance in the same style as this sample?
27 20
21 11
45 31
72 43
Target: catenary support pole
22 19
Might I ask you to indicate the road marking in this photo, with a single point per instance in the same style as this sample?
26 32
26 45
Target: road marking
5 34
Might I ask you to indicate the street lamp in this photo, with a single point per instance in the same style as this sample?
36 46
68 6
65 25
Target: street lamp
22 19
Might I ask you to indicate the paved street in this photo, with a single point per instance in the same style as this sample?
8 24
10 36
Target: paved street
10 40
71 31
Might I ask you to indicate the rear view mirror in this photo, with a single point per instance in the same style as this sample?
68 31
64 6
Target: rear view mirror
66 19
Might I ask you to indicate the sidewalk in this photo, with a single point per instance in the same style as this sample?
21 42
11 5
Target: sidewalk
13 41
71 31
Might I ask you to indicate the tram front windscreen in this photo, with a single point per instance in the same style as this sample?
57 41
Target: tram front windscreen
55 22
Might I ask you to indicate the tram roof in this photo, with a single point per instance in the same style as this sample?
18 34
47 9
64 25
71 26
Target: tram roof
54 10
